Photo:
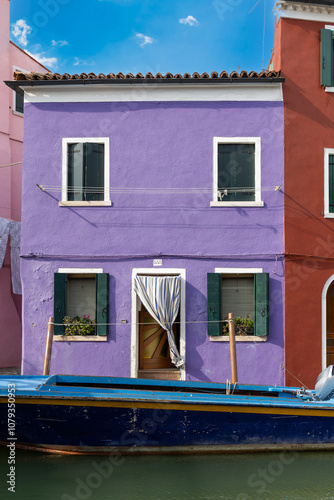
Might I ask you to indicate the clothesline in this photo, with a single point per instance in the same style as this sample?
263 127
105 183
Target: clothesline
11 164
157 190
193 322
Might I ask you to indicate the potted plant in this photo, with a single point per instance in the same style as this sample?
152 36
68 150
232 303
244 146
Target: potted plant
79 325
242 325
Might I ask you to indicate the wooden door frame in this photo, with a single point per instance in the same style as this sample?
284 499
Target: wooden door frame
135 304
324 321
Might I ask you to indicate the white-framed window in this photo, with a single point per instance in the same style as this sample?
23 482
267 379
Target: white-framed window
18 99
85 171
81 304
243 292
329 182
326 58
236 172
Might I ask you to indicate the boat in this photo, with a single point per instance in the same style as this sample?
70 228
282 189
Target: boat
103 415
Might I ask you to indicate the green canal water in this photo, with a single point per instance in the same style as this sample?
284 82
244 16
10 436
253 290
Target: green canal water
209 477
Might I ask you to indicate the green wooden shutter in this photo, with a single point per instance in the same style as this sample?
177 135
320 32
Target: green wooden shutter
214 304
102 303
326 58
94 171
60 301
19 102
261 292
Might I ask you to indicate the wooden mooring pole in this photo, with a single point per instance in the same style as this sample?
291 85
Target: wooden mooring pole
233 352
48 348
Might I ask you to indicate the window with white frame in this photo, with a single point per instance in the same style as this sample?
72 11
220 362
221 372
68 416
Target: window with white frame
326 57
81 302
85 176
18 98
237 171
329 182
243 292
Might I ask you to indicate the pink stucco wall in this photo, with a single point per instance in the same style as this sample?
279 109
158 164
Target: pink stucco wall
11 138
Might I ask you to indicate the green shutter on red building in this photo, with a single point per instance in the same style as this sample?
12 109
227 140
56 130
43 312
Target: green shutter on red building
214 304
59 302
326 58
261 292
102 303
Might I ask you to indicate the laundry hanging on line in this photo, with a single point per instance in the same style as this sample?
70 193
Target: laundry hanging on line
12 228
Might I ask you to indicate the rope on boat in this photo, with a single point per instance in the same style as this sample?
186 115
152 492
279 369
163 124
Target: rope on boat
228 387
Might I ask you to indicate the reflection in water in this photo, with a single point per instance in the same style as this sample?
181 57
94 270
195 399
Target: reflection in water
286 475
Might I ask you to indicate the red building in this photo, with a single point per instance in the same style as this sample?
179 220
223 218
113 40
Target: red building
303 52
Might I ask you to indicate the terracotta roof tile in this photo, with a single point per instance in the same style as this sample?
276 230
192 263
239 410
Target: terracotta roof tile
314 2
244 75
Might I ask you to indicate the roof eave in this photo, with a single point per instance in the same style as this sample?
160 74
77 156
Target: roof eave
18 85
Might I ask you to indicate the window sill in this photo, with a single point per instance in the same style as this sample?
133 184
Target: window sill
236 204
329 89
239 338
80 338
329 215
85 203
17 113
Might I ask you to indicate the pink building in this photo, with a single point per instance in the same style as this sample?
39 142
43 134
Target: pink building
11 138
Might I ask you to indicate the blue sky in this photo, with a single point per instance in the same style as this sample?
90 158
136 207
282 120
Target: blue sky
111 36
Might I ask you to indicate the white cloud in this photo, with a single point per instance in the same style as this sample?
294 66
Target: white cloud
59 43
49 62
143 39
21 30
82 62
192 21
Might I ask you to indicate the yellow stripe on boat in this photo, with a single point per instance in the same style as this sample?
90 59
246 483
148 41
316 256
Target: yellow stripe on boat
310 412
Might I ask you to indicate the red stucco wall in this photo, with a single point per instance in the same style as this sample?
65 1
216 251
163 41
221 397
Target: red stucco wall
309 237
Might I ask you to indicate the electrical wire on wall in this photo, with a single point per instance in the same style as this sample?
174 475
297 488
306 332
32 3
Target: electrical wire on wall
113 257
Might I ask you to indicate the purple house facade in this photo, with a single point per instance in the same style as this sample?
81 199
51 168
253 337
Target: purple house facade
153 182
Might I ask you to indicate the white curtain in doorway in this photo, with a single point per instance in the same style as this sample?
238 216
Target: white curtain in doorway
161 297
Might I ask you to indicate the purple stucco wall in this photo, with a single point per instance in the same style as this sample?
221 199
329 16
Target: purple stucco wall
152 145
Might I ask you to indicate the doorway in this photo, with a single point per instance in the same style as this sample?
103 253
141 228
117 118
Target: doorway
154 354
150 354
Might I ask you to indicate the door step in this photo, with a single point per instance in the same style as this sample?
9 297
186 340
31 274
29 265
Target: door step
160 374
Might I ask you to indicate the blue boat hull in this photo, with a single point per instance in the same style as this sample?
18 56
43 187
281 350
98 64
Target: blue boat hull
123 420
93 428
